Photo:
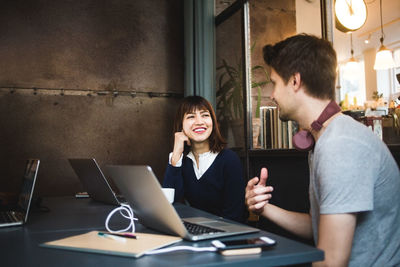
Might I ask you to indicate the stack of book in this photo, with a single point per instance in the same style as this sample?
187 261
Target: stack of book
275 133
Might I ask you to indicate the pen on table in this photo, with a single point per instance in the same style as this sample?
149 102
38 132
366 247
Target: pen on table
113 237
123 235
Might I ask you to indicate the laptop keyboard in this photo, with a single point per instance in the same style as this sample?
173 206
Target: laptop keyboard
196 229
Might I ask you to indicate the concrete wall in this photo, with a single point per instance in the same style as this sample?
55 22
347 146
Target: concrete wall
306 23
96 45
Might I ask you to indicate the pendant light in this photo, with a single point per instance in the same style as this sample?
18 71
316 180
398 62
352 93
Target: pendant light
384 58
352 62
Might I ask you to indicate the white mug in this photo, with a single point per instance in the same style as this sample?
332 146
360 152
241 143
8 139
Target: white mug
169 193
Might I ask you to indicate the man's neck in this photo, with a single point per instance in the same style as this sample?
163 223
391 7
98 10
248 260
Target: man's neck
309 111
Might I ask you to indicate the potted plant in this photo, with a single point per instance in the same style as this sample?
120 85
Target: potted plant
230 100
230 92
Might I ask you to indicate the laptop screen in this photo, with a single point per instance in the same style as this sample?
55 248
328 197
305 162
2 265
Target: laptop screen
28 185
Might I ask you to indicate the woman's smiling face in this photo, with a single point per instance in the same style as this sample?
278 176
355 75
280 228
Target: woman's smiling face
198 125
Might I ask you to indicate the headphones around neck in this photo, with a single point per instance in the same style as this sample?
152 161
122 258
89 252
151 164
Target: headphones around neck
303 140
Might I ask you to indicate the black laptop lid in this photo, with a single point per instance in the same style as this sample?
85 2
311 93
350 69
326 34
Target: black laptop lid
93 180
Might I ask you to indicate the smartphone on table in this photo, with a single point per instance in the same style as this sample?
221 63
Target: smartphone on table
243 246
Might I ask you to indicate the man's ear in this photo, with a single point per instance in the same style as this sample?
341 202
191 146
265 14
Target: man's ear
296 81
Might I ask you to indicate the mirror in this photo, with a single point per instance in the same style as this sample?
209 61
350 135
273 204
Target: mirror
229 68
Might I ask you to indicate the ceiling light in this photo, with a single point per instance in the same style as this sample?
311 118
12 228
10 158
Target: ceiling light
368 39
384 58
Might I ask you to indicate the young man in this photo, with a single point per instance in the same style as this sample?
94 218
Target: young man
354 181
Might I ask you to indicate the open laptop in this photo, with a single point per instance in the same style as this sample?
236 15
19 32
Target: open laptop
143 192
94 181
18 214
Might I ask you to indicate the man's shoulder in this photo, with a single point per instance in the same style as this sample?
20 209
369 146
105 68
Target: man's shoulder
348 138
345 120
345 128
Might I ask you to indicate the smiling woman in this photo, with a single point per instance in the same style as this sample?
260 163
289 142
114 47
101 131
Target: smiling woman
197 126
201 170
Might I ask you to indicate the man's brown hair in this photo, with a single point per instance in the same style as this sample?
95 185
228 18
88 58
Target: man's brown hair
314 58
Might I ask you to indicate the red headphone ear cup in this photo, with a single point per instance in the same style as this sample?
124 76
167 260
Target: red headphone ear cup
303 140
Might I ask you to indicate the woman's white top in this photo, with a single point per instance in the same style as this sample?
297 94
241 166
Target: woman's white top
205 161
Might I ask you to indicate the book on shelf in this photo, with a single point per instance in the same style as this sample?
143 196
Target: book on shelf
275 127
275 133
279 131
290 134
266 133
285 139
263 137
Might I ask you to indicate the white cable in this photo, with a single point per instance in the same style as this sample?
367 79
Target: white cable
165 250
128 215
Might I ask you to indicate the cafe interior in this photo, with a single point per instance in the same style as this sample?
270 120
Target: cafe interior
102 79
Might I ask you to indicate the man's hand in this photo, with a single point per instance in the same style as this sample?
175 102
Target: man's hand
257 193
257 198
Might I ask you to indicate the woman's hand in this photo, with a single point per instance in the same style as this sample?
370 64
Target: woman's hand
179 145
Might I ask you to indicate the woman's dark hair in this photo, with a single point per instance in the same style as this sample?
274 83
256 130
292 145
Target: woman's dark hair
314 58
189 105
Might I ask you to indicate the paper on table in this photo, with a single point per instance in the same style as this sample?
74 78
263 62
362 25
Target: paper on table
92 242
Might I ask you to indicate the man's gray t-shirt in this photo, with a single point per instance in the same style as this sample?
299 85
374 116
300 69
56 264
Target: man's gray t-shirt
352 171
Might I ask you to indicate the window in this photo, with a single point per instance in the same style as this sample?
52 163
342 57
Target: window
387 82
396 72
352 83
